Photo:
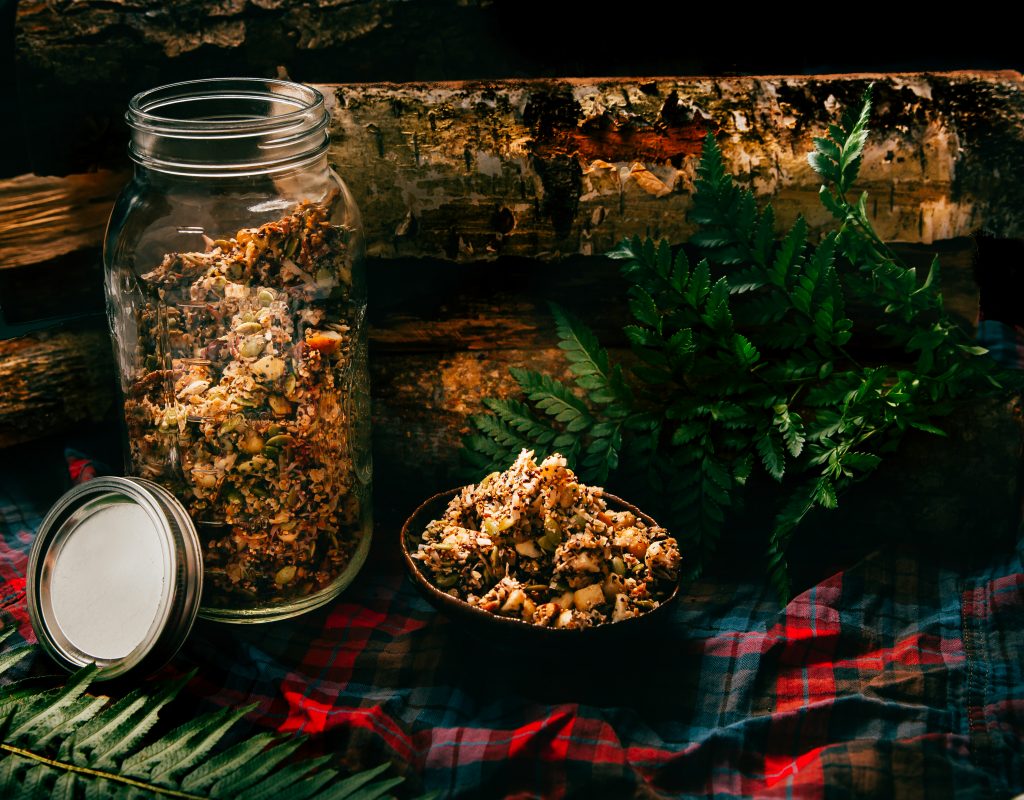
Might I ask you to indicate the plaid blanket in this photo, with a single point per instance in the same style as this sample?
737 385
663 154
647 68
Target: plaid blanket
901 676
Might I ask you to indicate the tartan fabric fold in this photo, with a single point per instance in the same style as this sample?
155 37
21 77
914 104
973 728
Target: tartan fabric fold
898 677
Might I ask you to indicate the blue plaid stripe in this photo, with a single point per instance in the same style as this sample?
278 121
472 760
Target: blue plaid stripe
900 676
1005 343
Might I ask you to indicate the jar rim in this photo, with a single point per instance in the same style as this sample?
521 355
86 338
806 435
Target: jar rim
227 126
305 99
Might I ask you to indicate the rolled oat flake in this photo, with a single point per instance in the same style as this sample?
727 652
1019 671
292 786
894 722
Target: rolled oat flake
115 577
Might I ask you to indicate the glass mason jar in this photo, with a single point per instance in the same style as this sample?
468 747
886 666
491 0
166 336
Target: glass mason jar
236 299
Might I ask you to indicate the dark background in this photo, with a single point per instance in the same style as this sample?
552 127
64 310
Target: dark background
436 40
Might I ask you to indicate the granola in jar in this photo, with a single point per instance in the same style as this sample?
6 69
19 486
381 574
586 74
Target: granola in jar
244 403
534 544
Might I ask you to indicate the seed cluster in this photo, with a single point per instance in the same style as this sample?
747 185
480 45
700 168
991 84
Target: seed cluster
534 544
243 404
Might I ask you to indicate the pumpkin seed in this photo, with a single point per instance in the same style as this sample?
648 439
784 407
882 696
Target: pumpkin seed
231 424
248 327
269 368
252 346
204 478
252 443
265 297
196 387
279 405
285 575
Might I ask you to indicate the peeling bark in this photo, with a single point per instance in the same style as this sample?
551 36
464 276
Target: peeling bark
546 169
578 164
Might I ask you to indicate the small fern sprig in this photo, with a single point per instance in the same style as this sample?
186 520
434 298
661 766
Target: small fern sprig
918 321
561 418
66 743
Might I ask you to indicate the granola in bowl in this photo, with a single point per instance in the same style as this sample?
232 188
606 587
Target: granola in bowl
248 404
535 545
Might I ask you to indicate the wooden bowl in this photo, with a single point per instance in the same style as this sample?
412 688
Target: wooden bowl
507 630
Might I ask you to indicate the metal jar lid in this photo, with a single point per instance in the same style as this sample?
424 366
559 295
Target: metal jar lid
115 577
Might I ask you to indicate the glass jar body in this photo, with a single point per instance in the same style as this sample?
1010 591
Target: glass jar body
237 306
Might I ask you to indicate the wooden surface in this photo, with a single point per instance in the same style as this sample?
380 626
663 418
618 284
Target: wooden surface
53 381
482 201
46 218
544 169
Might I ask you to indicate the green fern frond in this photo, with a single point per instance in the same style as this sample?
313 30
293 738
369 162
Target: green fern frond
740 359
554 398
224 764
105 740
241 780
500 432
519 417
65 743
769 447
837 158
586 357
601 455
789 257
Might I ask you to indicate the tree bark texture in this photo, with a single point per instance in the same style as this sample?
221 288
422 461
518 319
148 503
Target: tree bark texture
52 381
548 168
481 201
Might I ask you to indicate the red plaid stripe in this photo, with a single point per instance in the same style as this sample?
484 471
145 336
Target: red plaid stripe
899 677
